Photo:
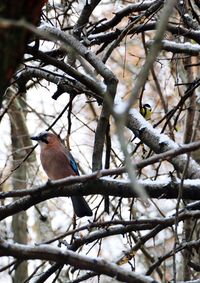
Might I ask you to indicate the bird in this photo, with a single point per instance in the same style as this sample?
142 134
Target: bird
58 163
146 111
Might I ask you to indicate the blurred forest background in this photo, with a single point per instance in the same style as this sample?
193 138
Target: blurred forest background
118 81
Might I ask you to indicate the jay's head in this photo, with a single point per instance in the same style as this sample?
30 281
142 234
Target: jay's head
46 139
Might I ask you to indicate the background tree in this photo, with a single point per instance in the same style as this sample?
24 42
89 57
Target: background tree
87 70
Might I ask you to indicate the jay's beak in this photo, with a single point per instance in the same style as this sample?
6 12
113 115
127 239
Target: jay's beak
35 138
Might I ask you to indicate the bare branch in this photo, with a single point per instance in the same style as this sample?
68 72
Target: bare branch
45 252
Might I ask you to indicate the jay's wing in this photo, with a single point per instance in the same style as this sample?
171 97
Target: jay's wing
71 160
73 163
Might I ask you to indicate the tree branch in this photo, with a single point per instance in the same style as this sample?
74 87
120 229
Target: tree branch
46 252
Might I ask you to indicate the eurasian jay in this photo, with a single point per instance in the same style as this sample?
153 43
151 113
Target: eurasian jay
58 163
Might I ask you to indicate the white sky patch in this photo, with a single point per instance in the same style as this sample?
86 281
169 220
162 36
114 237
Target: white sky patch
121 108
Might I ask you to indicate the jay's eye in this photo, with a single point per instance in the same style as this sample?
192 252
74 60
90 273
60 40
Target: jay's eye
44 138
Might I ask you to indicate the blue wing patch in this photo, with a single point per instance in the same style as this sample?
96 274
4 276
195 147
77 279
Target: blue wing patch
73 164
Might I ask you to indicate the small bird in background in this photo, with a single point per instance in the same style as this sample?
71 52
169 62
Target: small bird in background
58 163
146 111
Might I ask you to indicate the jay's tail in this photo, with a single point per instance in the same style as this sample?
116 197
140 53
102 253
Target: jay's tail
81 208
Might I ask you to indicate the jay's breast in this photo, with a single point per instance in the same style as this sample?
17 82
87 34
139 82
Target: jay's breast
56 165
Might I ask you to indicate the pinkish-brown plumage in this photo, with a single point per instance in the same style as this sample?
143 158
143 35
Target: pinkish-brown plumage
58 163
